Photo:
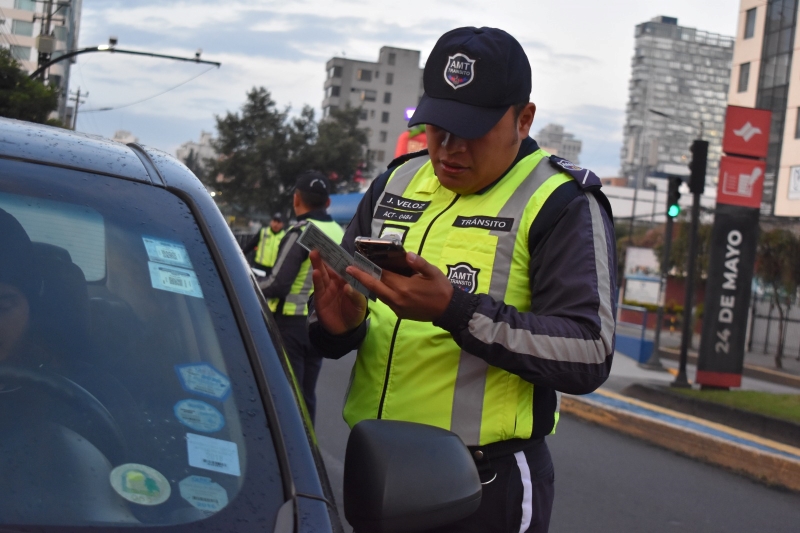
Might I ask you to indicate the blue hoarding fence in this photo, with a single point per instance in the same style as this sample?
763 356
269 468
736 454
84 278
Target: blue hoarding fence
343 206
636 347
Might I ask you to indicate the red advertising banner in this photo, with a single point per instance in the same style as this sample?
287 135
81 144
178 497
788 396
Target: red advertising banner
746 131
741 181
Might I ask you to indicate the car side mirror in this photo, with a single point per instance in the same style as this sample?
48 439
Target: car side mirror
406 477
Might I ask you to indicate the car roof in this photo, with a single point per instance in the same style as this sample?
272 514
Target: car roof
48 145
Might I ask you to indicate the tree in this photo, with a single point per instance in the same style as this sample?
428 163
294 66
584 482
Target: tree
262 150
340 144
21 97
777 266
679 252
194 163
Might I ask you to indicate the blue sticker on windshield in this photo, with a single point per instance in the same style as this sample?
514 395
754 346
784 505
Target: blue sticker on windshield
199 416
203 493
167 252
205 380
174 279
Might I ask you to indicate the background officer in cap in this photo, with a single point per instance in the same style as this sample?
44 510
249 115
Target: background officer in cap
266 243
289 285
513 299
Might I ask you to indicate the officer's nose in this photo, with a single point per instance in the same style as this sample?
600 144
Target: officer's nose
453 143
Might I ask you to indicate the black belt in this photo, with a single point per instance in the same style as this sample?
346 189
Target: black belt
483 455
487 452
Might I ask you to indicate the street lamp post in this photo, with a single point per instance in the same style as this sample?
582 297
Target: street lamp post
113 49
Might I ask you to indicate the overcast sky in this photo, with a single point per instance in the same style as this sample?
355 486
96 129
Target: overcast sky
580 53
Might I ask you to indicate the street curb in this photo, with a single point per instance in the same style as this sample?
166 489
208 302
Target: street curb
760 465
755 423
751 371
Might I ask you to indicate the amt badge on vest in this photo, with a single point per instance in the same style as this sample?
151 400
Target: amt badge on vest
464 277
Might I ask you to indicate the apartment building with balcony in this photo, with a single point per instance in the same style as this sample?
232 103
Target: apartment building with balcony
387 91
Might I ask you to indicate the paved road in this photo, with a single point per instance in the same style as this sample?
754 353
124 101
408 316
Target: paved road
606 482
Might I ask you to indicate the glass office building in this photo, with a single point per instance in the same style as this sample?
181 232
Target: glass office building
765 76
678 91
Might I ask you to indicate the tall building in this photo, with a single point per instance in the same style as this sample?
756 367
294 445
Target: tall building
24 30
682 74
556 141
196 154
124 137
765 76
387 92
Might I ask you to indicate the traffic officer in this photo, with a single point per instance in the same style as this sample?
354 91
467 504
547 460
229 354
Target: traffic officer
266 243
289 285
513 300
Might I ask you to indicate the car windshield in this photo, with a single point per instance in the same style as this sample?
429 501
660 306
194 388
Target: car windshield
126 395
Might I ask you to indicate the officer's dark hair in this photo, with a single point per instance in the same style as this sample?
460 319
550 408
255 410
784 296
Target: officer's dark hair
312 199
518 108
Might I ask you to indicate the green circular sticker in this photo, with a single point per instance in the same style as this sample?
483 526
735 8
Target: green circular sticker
140 484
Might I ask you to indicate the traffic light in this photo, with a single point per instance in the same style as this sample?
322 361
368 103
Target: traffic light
697 181
674 196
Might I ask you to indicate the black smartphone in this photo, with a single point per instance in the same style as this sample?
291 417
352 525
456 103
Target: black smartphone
388 254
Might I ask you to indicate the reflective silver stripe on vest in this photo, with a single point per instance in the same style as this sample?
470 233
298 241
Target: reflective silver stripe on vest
601 244
558 402
568 350
397 185
472 371
282 258
301 299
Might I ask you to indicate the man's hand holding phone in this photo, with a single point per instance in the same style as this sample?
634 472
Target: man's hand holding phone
423 297
413 288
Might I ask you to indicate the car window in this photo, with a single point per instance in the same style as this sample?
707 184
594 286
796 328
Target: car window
126 396
77 229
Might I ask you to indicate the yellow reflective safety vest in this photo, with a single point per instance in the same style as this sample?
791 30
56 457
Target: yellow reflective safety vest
415 371
295 303
268 245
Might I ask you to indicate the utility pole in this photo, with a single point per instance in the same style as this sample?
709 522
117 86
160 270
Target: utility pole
697 183
78 102
45 42
673 209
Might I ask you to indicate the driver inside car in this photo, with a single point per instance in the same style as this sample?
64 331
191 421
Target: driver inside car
19 286
37 449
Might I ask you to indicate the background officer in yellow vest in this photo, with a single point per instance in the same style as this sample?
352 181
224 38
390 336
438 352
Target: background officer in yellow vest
289 286
266 243
513 299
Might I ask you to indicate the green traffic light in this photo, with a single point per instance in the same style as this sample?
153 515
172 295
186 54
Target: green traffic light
673 210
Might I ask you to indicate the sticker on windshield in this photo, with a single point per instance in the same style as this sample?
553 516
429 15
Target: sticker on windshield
174 279
213 454
167 252
199 416
205 380
203 493
140 484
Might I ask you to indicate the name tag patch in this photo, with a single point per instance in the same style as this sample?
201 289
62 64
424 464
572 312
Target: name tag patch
392 200
490 223
384 213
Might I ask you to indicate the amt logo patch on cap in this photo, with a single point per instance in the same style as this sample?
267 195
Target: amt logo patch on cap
460 71
463 276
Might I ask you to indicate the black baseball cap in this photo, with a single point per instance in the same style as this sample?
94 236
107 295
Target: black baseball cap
278 217
314 182
471 78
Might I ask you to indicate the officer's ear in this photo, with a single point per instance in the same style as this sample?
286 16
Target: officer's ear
328 203
525 120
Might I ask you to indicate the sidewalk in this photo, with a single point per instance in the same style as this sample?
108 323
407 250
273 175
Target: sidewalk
768 461
757 364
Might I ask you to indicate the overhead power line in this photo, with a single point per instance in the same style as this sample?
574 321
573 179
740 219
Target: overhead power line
96 110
